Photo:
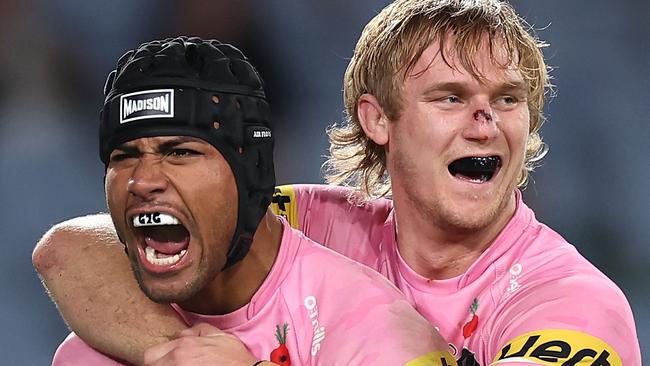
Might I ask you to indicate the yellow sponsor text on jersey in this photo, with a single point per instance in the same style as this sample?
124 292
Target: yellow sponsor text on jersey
438 358
558 347
284 203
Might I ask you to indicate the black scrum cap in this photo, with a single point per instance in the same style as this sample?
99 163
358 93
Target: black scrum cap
205 89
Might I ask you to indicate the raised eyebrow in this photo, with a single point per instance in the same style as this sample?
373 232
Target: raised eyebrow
514 87
445 86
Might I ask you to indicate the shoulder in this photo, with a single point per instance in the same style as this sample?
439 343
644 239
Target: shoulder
572 291
559 296
324 264
541 255
552 276
331 218
549 263
73 351
304 203
549 294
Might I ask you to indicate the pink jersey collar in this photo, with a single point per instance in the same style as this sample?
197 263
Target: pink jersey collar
279 271
496 257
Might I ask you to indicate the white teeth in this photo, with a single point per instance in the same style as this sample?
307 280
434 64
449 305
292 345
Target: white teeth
161 259
154 219
482 179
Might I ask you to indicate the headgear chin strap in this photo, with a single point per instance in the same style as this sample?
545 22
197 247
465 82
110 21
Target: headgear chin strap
205 89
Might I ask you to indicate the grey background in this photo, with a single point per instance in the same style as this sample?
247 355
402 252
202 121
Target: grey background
592 188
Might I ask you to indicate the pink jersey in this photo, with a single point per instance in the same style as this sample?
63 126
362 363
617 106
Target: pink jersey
530 297
324 308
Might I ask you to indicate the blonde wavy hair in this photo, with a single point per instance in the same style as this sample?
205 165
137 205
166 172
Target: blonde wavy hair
391 44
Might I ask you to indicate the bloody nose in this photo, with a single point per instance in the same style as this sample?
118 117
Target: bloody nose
482 116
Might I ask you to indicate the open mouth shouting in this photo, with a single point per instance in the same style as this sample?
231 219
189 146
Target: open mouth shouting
475 169
163 238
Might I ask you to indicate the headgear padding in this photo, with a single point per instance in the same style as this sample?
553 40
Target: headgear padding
200 88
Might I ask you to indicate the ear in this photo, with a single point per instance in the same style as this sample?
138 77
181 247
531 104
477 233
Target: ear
372 118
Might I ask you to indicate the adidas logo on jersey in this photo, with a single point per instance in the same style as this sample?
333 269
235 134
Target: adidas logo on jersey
157 103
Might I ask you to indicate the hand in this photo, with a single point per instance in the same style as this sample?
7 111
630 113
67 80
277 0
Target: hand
202 344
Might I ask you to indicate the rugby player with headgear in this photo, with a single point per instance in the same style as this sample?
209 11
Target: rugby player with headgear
444 102
187 142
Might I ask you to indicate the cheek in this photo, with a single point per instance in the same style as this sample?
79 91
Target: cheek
525 118
113 188
424 136
216 183
216 212
211 194
224 189
109 177
116 191
517 131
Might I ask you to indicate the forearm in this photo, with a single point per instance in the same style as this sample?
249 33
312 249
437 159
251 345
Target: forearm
88 276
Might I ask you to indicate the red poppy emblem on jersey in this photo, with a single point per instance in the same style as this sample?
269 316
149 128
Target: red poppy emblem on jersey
280 355
470 326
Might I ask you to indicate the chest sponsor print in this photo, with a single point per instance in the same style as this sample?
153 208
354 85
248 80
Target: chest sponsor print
558 347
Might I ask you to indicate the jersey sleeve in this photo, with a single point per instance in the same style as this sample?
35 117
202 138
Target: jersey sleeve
75 352
326 215
576 320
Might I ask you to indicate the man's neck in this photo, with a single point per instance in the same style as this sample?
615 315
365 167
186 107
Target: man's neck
435 252
234 287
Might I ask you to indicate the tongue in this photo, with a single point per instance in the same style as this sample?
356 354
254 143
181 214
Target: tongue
167 239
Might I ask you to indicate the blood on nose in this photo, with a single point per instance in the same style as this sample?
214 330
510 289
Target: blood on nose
482 116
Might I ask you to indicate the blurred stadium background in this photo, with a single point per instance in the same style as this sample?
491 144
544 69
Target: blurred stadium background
593 186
